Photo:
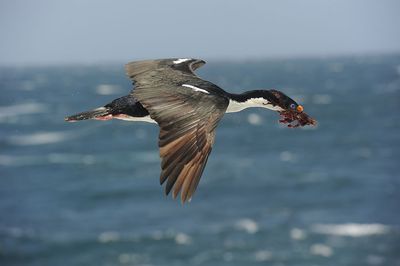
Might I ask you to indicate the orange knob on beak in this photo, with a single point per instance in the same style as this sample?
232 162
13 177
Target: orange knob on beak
299 108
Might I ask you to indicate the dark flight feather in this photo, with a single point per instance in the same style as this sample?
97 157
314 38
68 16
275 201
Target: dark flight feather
187 121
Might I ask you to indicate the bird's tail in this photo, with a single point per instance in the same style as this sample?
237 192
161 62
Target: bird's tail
101 113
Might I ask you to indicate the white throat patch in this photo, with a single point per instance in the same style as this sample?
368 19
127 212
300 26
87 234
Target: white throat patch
235 106
180 60
195 88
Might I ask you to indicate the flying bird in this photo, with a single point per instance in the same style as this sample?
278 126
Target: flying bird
187 110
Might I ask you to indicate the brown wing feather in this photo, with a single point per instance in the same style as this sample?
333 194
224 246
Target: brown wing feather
187 130
187 161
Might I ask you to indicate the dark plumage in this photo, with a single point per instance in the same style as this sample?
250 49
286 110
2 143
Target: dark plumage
187 110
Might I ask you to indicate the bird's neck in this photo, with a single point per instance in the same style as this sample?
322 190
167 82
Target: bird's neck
239 102
236 105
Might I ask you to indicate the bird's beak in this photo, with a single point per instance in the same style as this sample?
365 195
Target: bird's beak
299 108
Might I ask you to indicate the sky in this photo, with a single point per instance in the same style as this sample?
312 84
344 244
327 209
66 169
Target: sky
99 31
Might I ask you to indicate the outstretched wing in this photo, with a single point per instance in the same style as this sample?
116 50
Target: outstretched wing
148 72
187 121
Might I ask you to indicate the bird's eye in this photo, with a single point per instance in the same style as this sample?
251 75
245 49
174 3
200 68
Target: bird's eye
292 106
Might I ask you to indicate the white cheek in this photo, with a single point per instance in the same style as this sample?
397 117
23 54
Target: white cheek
261 102
253 102
257 101
272 107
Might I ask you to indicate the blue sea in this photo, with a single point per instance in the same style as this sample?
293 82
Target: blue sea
88 193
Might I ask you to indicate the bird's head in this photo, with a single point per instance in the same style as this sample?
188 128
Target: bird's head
290 111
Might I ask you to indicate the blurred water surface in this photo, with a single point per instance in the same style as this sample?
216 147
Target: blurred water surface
88 193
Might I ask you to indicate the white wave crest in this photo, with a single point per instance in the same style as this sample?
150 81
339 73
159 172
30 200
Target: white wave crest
321 250
247 225
38 138
108 236
21 109
351 229
108 89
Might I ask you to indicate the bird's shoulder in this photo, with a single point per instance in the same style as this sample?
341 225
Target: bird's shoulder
161 77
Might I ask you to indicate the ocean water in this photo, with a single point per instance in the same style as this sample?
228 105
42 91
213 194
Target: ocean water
88 193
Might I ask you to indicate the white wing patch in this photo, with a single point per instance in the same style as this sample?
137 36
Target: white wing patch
181 60
195 88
